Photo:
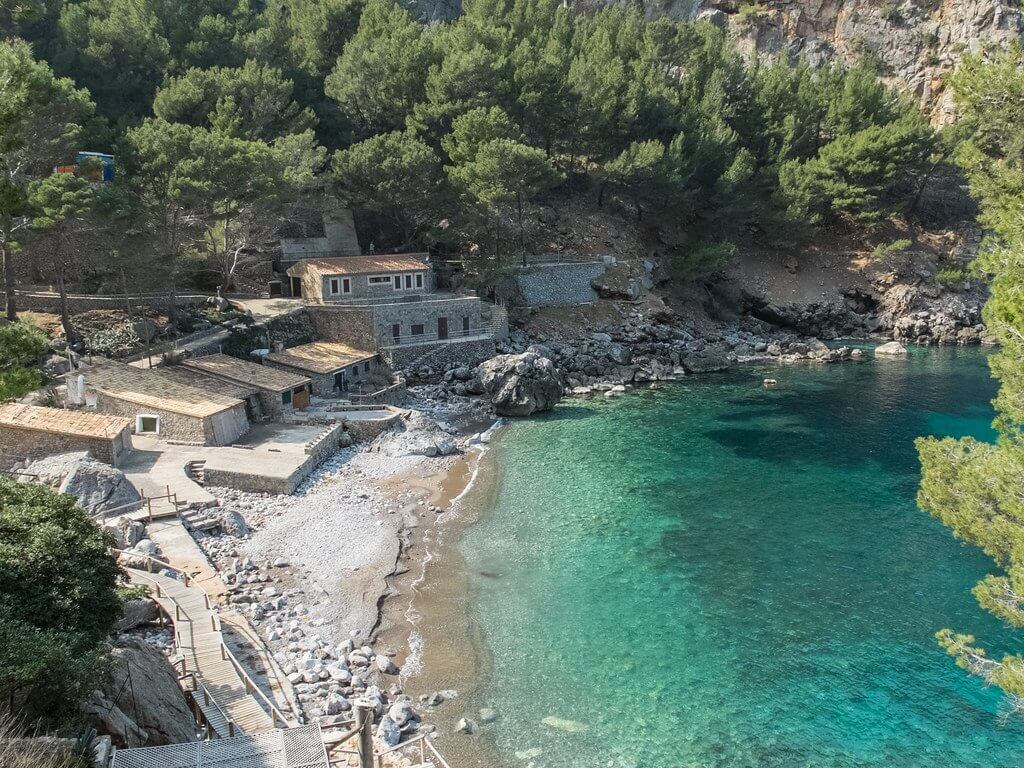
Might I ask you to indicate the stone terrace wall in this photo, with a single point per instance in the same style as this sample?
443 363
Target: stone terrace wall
31 444
441 354
347 325
45 301
558 285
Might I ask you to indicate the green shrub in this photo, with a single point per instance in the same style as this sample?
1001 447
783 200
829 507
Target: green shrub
57 601
22 345
884 251
950 276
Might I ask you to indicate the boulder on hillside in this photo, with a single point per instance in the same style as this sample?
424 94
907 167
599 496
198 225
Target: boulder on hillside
150 710
98 487
519 385
892 349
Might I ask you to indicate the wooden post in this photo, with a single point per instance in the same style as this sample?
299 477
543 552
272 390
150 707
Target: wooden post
364 718
213 622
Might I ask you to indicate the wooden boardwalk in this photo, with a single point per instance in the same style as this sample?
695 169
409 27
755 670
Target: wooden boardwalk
230 700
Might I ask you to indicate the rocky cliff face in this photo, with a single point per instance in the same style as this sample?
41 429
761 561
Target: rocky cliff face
914 42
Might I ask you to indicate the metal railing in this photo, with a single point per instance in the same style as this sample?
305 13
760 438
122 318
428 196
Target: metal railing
251 686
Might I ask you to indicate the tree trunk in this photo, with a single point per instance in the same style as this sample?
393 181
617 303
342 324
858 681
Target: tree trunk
9 282
70 335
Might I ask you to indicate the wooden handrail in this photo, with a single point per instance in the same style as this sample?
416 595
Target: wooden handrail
252 686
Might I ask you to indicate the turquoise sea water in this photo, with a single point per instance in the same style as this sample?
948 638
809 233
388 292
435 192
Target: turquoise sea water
719 574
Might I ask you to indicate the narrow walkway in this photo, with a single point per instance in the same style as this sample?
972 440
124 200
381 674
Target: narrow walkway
224 695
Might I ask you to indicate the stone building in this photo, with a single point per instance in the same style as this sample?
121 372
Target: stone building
277 389
163 405
31 432
334 368
329 280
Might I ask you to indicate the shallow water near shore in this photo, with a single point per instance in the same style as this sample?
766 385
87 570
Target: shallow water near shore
718 574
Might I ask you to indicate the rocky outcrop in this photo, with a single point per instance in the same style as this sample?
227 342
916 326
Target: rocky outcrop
98 487
519 385
139 702
136 613
416 435
914 43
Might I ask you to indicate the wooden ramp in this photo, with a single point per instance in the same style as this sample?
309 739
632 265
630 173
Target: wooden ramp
230 700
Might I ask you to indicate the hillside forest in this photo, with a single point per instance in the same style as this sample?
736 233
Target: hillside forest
230 122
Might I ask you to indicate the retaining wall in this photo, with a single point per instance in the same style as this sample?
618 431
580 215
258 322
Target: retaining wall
558 285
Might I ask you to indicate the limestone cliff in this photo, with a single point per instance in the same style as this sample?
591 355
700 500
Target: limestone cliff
913 42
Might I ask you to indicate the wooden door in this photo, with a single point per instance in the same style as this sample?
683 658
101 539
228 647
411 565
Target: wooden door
442 327
300 399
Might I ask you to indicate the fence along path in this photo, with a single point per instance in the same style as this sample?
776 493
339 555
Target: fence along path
230 700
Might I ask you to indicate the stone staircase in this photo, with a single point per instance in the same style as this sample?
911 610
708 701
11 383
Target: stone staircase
195 470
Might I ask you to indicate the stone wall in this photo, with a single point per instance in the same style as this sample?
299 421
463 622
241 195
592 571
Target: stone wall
347 325
47 301
426 313
323 383
558 285
32 444
319 450
441 354
362 288
178 426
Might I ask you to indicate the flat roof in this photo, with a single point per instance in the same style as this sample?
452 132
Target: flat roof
245 372
62 422
361 265
148 387
321 356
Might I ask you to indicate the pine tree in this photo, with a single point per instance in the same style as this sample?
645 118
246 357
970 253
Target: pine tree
973 487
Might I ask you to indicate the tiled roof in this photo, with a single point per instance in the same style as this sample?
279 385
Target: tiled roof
320 357
62 422
361 265
244 372
190 377
148 387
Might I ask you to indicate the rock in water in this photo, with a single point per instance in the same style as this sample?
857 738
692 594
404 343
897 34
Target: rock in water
892 349
519 385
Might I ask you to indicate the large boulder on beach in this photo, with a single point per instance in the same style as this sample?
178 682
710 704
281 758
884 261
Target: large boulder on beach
892 349
98 487
519 385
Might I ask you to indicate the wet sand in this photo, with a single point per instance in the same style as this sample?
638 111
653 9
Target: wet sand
441 646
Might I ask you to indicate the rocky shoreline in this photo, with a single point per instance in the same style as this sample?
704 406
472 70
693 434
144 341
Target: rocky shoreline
313 572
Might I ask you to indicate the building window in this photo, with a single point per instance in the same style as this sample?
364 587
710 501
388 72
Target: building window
465 324
346 285
398 282
366 367
379 279
417 330
355 369
419 279
335 286
286 397
396 331
408 281
147 425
